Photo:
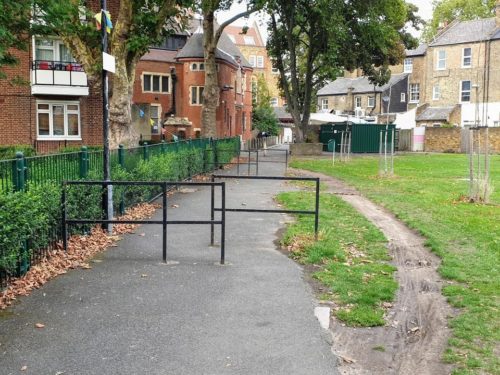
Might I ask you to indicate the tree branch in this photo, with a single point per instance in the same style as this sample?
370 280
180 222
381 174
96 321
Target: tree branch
223 25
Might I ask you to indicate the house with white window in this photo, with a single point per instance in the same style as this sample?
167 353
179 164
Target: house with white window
360 98
462 75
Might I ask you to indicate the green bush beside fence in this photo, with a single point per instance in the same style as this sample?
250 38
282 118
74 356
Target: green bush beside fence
30 190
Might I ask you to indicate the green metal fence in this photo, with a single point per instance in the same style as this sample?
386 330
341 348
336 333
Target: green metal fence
17 176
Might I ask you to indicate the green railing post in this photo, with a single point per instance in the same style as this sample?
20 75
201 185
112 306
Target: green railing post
162 148
19 169
84 162
216 157
145 151
121 156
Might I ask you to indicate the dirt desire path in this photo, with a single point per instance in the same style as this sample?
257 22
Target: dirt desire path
416 333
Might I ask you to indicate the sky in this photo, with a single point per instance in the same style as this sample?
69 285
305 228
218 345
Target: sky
424 11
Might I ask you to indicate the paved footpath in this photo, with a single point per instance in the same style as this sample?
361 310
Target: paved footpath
131 314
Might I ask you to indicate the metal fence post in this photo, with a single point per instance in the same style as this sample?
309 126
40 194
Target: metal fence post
121 156
164 209
84 165
216 158
19 172
223 226
162 146
212 213
145 151
316 216
257 163
64 218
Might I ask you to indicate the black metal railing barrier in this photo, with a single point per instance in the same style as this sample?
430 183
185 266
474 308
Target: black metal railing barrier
164 222
276 178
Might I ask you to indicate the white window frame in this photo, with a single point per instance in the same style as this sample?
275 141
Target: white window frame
51 104
199 98
274 102
440 60
436 92
324 104
249 40
161 92
408 65
55 48
414 92
198 66
403 97
158 119
371 99
356 99
260 61
469 57
252 59
462 91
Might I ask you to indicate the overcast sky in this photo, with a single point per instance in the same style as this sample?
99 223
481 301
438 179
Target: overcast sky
424 10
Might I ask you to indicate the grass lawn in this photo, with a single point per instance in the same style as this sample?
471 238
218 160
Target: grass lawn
427 193
350 256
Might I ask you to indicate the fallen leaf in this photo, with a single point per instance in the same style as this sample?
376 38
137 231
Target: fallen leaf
24 368
39 325
175 206
144 275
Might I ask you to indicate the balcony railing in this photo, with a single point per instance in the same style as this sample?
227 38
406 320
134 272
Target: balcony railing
60 73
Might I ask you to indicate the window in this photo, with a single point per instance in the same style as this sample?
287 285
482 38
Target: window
403 97
414 92
467 58
408 66
357 101
58 120
465 88
441 60
196 95
251 60
155 83
324 104
436 93
274 102
249 40
260 61
371 101
154 116
198 67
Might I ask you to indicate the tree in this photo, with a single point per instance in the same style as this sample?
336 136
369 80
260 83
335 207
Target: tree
138 25
313 41
14 27
211 36
446 11
263 117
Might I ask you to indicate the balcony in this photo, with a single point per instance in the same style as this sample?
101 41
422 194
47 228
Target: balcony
58 78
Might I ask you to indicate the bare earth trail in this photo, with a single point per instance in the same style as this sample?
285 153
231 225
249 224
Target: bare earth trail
416 333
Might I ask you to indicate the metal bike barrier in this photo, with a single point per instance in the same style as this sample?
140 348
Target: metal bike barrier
225 209
216 163
164 185
262 155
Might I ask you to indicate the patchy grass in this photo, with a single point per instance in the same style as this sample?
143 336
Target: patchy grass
351 254
427 192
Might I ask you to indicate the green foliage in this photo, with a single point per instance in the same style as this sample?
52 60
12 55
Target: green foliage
260 93
427 194
446 11
9 152
14 23
264 119
314 41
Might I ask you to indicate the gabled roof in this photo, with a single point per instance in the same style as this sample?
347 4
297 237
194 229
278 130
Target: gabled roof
419 51
239 38
226 50
436 113
466 32
281 113
359 85
159 55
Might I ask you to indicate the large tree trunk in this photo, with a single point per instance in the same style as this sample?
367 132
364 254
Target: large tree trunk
211 91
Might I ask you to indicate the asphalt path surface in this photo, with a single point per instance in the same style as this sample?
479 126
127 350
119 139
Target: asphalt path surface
132 314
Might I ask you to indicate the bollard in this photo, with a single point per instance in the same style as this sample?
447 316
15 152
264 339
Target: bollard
121 156
84 162
145 151
19 172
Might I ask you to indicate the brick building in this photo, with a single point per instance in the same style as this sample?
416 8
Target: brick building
60 108
253 48
455 80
